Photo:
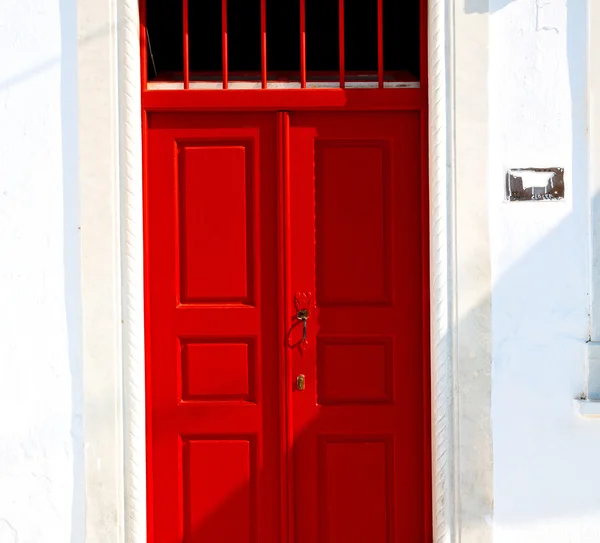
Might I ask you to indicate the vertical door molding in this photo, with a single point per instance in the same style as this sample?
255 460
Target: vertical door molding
132 269
443 376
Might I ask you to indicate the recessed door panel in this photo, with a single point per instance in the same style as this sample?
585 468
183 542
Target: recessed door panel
352 222
216 212
356 490
219 498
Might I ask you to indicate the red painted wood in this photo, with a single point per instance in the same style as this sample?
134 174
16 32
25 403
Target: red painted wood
426 418
228 212
351 217
283 76
355 203
285 99
425 233
286 315
214 352
219 485
147 344
354 476
242 213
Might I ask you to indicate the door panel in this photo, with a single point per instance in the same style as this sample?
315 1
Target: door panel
355 220
212 296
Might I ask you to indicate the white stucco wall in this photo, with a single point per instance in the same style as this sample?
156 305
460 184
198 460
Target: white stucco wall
546 475
41 447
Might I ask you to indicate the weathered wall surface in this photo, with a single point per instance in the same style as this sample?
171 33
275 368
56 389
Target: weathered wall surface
545 457
469 158
41 437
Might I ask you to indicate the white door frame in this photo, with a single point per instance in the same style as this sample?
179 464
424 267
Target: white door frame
110 148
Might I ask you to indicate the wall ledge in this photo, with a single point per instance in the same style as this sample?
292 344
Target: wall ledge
589 409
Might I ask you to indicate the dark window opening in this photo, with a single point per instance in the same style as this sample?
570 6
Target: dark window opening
401 38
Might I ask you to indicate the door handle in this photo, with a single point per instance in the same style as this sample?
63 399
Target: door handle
302 315
303 303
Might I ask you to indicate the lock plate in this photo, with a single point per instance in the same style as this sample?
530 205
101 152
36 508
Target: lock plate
301 382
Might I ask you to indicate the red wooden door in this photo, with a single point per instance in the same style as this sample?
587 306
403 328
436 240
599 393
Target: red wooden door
214 353
355 245
243 211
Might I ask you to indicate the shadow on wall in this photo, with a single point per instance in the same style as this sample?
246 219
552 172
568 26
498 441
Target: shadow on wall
52 61
72 253
542 451
485 6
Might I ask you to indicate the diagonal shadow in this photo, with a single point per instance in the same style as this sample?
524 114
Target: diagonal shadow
71 244
485 6
355 501
68 46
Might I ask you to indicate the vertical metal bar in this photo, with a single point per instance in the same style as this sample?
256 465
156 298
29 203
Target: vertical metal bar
224 43
380 43
143 45
263 42
341 45
303 44
186 48
424 46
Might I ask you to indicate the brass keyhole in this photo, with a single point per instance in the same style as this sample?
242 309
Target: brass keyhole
300 382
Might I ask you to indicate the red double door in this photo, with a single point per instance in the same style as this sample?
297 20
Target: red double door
254 221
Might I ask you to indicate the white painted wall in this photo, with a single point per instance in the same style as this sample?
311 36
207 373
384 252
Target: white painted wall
41 447
546 475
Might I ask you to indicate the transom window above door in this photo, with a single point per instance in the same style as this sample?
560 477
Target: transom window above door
213 44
